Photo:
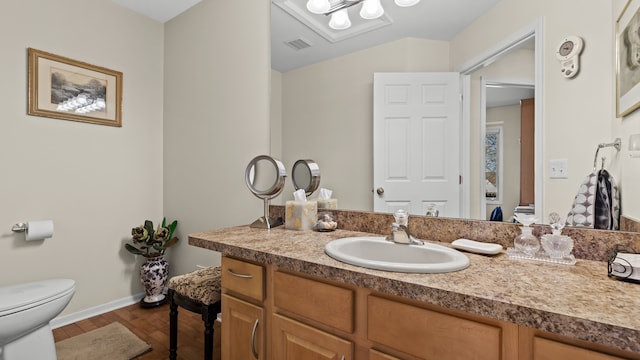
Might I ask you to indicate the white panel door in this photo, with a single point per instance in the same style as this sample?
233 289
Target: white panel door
416 142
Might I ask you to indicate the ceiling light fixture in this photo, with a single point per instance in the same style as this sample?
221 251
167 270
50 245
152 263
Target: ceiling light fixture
371 9
318 6
337 9
406 3
340 20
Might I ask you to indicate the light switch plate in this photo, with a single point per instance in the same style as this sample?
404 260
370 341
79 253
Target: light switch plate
559 169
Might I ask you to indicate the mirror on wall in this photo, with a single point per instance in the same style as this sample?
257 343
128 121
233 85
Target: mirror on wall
347 162
351 129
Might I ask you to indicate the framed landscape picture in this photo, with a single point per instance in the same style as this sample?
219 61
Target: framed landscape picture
628 59
68 89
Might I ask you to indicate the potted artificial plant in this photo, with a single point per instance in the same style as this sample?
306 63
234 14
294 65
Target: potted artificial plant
152 244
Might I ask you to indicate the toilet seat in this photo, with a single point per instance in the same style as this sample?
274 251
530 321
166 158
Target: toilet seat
20 297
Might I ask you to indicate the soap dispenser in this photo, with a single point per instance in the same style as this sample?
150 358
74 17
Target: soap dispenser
526 242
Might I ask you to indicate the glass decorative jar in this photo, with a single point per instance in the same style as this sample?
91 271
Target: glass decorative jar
526 242
432 210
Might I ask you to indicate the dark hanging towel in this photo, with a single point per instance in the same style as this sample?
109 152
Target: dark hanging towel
606 206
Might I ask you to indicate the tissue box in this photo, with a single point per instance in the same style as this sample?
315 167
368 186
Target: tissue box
300 215
625 266
327 204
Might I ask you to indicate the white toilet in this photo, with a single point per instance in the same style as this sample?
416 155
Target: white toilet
25 312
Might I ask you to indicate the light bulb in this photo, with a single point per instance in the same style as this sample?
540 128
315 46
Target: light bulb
340 20
371 9
405 3
318 6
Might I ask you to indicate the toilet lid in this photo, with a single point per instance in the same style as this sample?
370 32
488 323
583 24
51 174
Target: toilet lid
20 297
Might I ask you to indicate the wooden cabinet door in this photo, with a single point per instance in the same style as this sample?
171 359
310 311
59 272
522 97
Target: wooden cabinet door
295 341
539 345
377 355
545 349
315 300
242 330
430 334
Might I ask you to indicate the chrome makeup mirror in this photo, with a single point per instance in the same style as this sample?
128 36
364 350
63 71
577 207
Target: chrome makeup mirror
305 175
265 178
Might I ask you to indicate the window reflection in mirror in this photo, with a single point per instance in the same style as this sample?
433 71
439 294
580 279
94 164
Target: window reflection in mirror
493 165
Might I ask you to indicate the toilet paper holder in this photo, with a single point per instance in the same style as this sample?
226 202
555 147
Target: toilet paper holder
20 227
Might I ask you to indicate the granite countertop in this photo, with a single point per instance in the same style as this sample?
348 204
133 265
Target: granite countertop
579 301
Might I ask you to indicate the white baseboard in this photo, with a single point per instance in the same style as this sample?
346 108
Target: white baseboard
96 310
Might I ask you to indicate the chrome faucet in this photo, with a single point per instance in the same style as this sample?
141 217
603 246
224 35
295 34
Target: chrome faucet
400 230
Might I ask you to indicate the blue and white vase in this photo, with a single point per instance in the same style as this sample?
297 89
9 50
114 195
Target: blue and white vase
153 276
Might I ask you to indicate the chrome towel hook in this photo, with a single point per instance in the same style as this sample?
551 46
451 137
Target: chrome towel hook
617 144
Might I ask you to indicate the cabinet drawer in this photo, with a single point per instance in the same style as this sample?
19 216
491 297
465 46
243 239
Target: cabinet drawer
376 355
294 340
545 349
243 278
429 334
328 304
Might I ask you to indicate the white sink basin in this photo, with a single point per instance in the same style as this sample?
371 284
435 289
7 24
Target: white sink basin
380 254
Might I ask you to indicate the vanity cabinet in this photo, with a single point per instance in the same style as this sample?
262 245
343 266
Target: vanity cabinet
243 314
269 313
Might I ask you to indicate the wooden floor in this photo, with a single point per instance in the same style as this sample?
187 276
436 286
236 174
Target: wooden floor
150 325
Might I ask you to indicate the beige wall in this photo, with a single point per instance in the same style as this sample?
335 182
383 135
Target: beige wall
327 111
216 113
96 182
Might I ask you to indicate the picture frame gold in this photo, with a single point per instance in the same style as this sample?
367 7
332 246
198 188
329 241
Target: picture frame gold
67 89
627 34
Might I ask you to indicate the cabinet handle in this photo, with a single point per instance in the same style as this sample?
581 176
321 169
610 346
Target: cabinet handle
342 358
253 339
244 276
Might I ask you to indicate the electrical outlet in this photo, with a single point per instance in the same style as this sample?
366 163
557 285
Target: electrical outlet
559 169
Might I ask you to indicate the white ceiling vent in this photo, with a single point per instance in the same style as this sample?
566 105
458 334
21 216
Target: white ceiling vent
299 43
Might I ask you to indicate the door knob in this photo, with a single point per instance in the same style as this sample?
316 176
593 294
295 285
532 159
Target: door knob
380 191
